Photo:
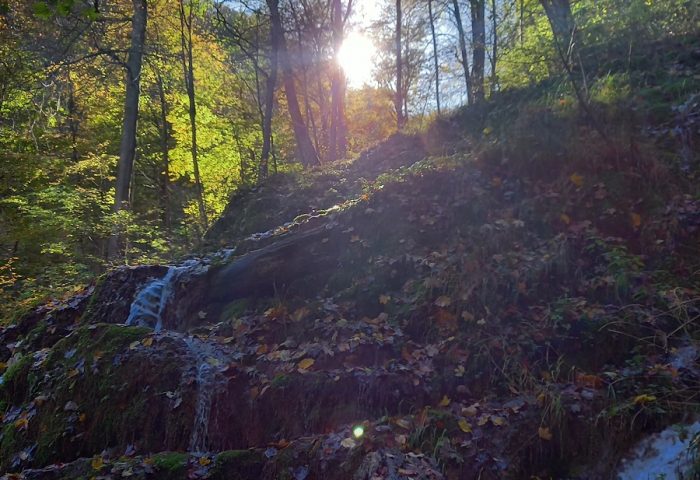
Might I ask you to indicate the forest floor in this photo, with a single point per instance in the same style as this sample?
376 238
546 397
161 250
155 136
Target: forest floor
508 294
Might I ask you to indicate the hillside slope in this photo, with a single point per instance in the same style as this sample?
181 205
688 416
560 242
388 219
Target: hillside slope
507 295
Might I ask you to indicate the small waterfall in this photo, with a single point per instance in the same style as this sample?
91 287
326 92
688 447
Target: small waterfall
209 362
149 303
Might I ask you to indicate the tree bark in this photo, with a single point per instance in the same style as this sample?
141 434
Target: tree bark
270 86
127 146
494 46
188 67
435 55
165 151
478 14
463 50
398 99
338 138
305 148
562 21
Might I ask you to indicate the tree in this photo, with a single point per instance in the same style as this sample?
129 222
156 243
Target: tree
127 148
478 13
305 149
435 54
399 99
186 20
464 60
338 135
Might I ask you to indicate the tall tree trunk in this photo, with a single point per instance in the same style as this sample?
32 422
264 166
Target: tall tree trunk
127 146
305 148
186 18
338 140
435 55
165 152
494 46
463 50
521 21
398 99
562 21
270 85
478 11
73 120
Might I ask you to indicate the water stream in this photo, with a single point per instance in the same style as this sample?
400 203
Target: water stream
151 300
209 362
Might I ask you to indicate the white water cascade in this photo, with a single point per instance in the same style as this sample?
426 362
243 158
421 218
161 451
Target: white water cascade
151 300
209 364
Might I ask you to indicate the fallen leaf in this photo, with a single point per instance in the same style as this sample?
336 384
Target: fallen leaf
300 313
134 345
97 463
306 363
464 425
644 398
565 218
443 301
21 424
147 342
348 443
403 423
204 461
470 411
384 299
214 362
636 220
544 433
444 402
576 179
498 420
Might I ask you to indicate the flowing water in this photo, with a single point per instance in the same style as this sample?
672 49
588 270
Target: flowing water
150 301
209 362
148 308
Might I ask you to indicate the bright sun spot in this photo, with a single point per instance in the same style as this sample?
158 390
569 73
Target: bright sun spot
356 57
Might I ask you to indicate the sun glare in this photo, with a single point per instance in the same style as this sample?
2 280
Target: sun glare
356 58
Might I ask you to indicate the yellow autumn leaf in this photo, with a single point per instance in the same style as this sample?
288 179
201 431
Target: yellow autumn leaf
384 299
300 313
565 218
21 424
498 420
306 363
445 401
97 463
147 342
443 301
644 398
544 433
204 461
576 179
464 425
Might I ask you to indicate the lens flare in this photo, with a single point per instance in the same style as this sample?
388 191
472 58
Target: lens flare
358 431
